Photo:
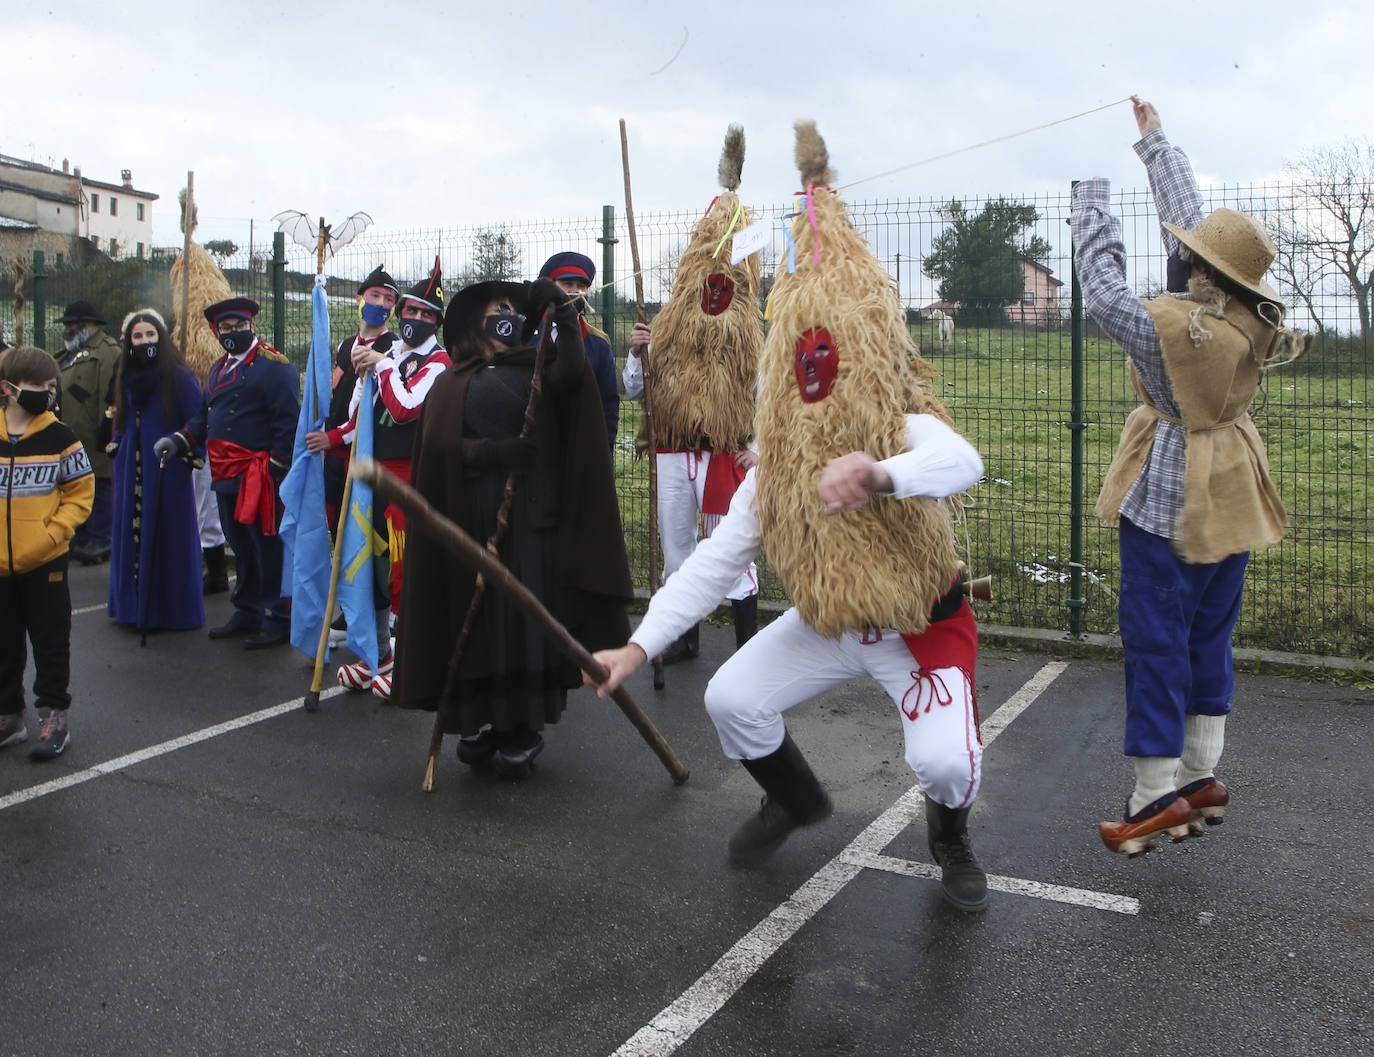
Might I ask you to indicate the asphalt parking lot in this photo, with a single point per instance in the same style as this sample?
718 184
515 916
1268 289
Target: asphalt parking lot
211 870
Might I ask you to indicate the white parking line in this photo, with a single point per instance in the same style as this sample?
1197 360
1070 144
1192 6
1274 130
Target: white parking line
1080 897
695 1006
120 763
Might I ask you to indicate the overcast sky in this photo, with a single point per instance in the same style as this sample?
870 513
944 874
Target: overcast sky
448 114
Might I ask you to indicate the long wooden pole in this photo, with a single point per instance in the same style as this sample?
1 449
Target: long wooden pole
648 390
473 554
188 224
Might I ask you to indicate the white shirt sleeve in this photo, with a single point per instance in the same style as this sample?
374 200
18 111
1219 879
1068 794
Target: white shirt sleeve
939 461
694 591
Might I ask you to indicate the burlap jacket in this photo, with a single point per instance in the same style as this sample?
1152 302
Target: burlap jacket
1212 356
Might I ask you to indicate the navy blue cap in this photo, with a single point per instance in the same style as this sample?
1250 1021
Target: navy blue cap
569 265
231 308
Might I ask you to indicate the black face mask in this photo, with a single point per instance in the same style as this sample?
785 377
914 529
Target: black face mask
415 332
143 355
237 342
1176 274
34 401
506 328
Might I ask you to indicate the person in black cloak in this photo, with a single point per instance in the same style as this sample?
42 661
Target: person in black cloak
563 540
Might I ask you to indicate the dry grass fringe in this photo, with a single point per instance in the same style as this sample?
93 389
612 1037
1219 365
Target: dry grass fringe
731 158
813 159
885 564
207 285
704 367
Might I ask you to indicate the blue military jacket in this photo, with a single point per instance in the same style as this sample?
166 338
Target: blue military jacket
254 404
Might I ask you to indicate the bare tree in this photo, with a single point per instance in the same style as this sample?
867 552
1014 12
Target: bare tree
1332 223
1298 272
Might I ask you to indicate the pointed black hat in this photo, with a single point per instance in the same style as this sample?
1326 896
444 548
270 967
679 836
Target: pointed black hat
379 277
428 292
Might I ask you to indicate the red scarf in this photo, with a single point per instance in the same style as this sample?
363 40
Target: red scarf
257 501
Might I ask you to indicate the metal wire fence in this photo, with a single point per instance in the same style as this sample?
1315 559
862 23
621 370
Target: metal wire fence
1044 412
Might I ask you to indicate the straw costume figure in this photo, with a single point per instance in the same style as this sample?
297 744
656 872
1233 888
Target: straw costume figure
704 361
855 459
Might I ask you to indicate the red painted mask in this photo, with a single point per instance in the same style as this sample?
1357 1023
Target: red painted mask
717 293
818 362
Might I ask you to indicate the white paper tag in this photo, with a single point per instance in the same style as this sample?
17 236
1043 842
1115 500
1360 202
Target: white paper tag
752 239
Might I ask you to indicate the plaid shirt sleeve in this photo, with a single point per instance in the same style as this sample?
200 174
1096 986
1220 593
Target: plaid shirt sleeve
1156 499
1172 183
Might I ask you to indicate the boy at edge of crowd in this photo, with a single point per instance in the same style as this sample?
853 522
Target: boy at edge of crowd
48 489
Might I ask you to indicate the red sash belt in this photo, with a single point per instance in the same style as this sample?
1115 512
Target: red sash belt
723 478
257 501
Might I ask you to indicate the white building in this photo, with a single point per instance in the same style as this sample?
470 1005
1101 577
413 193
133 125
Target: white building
57 206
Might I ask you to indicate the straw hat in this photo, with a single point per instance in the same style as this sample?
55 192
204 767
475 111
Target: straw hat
1235 245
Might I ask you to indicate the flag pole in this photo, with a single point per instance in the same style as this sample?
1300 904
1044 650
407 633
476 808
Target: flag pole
312 699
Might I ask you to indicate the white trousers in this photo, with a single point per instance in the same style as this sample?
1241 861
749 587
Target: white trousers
681 486
207 508
787 663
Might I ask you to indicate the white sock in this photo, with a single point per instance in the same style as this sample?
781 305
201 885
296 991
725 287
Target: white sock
1154 778
1203 739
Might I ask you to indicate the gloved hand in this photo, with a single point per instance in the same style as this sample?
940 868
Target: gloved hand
542 293
166 447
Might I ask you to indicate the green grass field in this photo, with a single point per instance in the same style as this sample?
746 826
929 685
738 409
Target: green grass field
1010 393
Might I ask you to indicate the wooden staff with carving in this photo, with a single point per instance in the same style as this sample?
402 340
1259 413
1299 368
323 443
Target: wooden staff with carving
490 569
648 391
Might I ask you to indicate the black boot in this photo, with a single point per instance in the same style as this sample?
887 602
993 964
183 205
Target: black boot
216 573
792 797
684 648
515 752
746 619
962 880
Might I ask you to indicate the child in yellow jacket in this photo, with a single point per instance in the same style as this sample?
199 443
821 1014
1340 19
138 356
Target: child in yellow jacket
46 491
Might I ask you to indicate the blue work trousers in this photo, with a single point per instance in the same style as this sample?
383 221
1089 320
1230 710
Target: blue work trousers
1176 619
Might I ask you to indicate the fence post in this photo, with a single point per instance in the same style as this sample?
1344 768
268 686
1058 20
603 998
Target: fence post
1076 602
278 290
40 301
608 241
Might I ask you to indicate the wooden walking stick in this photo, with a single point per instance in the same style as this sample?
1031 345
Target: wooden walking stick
472 553
436 737
648 391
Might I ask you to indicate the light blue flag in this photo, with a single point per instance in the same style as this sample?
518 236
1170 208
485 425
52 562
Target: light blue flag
305 525
360 544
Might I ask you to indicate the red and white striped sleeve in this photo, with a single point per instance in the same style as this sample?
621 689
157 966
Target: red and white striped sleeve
403 397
